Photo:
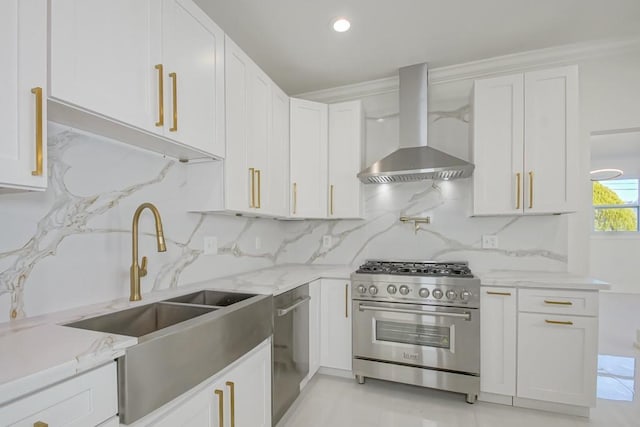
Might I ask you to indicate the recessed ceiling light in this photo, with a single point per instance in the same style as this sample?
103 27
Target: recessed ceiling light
341 25
605 174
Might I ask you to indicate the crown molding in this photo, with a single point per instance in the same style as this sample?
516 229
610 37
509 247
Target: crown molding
522 61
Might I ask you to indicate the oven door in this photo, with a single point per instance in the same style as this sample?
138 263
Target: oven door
445 338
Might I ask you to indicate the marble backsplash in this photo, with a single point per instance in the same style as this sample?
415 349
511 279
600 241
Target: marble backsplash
71 245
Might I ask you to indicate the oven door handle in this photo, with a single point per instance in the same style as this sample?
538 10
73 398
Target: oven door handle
465 316
284 311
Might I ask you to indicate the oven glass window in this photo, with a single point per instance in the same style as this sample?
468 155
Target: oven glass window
407 333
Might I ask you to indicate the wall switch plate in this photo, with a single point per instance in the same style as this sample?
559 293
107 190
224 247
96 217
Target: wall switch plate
258 242
210 245
326 241
489 241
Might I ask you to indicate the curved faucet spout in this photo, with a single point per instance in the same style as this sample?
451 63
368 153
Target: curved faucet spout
136 271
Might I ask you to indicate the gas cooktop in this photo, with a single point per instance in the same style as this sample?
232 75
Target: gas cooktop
416 268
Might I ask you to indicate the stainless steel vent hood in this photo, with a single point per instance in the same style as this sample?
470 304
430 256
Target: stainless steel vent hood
414 160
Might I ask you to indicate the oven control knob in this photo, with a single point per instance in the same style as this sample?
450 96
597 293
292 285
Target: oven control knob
362 289
451 295
392 289
404 289
465 295
373 290
424 293
437 293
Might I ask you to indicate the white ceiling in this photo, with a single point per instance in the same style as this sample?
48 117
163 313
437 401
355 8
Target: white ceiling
293 42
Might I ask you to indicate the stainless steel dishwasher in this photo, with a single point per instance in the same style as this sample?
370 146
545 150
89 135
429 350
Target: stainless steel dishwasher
290 347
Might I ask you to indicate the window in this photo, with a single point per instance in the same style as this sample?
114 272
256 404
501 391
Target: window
615 205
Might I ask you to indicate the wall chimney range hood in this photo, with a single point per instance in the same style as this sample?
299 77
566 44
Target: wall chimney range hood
415 160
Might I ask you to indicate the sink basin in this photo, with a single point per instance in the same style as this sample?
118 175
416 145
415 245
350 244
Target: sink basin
141 321
212 298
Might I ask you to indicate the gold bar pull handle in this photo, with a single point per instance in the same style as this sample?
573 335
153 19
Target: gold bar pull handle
518 186
37 91
232 399
295 198
558 302
40 424
259 204
531 190
346 300
220 395
558 322
506 294
174 90
160 69
331 200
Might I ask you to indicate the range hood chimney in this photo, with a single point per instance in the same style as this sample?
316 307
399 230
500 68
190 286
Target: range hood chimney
414 160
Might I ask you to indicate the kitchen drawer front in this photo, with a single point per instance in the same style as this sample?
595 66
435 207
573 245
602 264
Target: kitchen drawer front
86 400
552 301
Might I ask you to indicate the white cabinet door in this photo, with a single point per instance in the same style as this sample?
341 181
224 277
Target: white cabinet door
103 55
308 159
315 292
201 410
498 144
277 184
247 391
335 331
551 140
498 341
23 48
193 57
345 159
557 358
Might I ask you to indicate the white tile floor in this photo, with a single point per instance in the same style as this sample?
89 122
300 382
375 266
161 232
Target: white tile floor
336 402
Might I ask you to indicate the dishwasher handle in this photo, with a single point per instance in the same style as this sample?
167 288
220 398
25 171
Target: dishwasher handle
284 311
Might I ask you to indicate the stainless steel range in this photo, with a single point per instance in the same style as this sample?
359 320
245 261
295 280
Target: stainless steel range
417 323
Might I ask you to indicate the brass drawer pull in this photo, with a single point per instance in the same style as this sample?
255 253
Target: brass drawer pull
559 322
506 294
518 185
160 69
174 77
531 190
547 301
40 424
232 390
220 395
37 91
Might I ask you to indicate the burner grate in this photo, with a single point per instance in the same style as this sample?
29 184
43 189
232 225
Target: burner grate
439 269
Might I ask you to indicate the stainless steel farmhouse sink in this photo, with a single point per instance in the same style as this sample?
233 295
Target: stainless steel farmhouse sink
181 342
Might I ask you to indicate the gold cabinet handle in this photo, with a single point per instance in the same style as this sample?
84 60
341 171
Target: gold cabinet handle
346 300
252 198
518 185
295 198
558 322
259 204
160 69
558 302
174 78
531 190
232 399
220 395
40 424
331 200
37 91
506 294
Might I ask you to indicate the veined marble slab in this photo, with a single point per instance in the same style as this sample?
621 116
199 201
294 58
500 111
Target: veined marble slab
39 351
542 279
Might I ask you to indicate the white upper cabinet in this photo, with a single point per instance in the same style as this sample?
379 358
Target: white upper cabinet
193 60
308 164
277 181
23 85
150 66
525 143
345 159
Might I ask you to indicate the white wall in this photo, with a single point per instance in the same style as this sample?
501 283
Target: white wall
615 259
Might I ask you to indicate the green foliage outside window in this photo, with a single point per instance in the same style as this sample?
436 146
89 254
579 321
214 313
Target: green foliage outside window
623 219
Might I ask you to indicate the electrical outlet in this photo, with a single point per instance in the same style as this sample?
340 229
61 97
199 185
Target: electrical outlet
490 241
326 241
258 242
210 245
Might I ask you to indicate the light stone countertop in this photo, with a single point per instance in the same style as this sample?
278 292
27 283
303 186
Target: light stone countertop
39 351
542 279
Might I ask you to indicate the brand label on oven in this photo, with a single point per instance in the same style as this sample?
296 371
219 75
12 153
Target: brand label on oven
409 356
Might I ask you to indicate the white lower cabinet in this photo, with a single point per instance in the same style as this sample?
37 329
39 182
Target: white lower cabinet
498 334
237 397
89 399
335 328
557 358
315 292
